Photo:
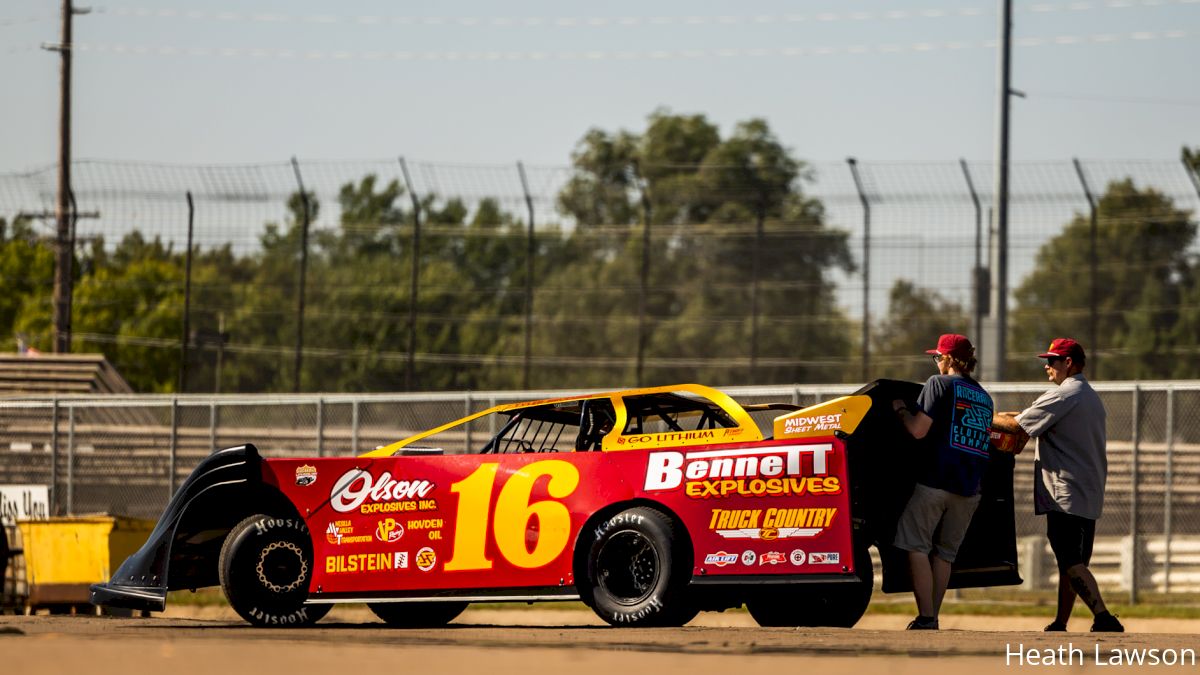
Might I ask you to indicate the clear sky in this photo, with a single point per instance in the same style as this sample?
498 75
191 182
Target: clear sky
225 81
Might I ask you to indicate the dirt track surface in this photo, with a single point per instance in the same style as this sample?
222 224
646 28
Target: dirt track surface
522 642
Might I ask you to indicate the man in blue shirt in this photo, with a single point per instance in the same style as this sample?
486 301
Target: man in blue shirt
953 415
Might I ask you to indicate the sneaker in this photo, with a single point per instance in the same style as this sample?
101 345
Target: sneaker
923 623
1055 627
1107 623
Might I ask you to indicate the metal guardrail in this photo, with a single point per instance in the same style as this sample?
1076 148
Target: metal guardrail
127 454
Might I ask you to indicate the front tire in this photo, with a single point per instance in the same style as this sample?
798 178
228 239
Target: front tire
265 568
638 567
417 614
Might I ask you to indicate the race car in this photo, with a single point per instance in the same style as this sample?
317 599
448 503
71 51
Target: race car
648 505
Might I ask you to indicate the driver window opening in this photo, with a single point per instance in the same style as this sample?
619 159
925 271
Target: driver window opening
674 411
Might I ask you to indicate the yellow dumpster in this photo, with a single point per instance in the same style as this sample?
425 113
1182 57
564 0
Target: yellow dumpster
64 556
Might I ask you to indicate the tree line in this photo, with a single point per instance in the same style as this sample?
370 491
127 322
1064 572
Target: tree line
738 272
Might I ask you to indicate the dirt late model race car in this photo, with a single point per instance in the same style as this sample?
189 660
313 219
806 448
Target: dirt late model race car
649 505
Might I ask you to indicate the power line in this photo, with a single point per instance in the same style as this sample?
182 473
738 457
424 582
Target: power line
820 17
1034 95
631 55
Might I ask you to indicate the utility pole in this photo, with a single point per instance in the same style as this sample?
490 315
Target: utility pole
64 209
998 346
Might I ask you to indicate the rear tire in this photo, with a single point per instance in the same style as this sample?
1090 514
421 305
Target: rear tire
265 568
417 614
638 567
838 605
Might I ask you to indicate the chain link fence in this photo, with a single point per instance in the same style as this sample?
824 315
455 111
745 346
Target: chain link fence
127 455
525 277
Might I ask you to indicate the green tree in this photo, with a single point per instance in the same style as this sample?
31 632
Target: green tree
731 232
27 274
1143 273
916 317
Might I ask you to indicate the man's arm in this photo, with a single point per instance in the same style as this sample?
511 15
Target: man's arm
916 423
1007 423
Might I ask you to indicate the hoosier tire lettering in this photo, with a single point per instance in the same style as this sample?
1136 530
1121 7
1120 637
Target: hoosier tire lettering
299 617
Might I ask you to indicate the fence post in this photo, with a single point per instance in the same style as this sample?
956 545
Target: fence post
466 412
866 271
54 495
1169 480
978 306
492 418
71 460
174 447
1133 504
645 272
212 427
410 371
1093 282
354 428
320 427
187 299
530 250
303 274
1032 562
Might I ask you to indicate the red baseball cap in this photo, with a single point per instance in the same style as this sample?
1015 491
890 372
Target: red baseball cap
1062 348
955 345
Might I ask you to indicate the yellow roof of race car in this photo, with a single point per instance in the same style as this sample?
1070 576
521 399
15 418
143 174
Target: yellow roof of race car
746 429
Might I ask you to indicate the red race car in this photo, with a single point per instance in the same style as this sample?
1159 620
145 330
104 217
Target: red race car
649 505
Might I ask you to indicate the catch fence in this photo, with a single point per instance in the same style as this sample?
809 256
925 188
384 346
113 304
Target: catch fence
506 277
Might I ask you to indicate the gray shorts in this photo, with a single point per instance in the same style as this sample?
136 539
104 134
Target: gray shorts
935 520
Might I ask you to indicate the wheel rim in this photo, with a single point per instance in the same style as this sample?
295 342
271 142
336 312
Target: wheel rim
629 567
282 567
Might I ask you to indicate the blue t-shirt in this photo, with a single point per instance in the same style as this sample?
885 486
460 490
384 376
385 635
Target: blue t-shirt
957 443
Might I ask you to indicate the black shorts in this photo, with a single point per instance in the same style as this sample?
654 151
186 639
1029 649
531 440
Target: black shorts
1071 539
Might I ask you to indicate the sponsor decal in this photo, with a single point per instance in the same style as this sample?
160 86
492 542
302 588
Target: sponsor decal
433 527
771 524
365 562
669 437
388 530
336 530
342 532
358 489
426 559
825 558
772 558
748 472
797 557
748 557
800 425
720 558
306 474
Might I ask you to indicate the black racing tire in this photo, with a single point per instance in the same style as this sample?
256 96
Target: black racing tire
837 605
637 570
417 614
265 569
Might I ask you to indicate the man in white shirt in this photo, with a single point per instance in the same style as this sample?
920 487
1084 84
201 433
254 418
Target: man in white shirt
1070 469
